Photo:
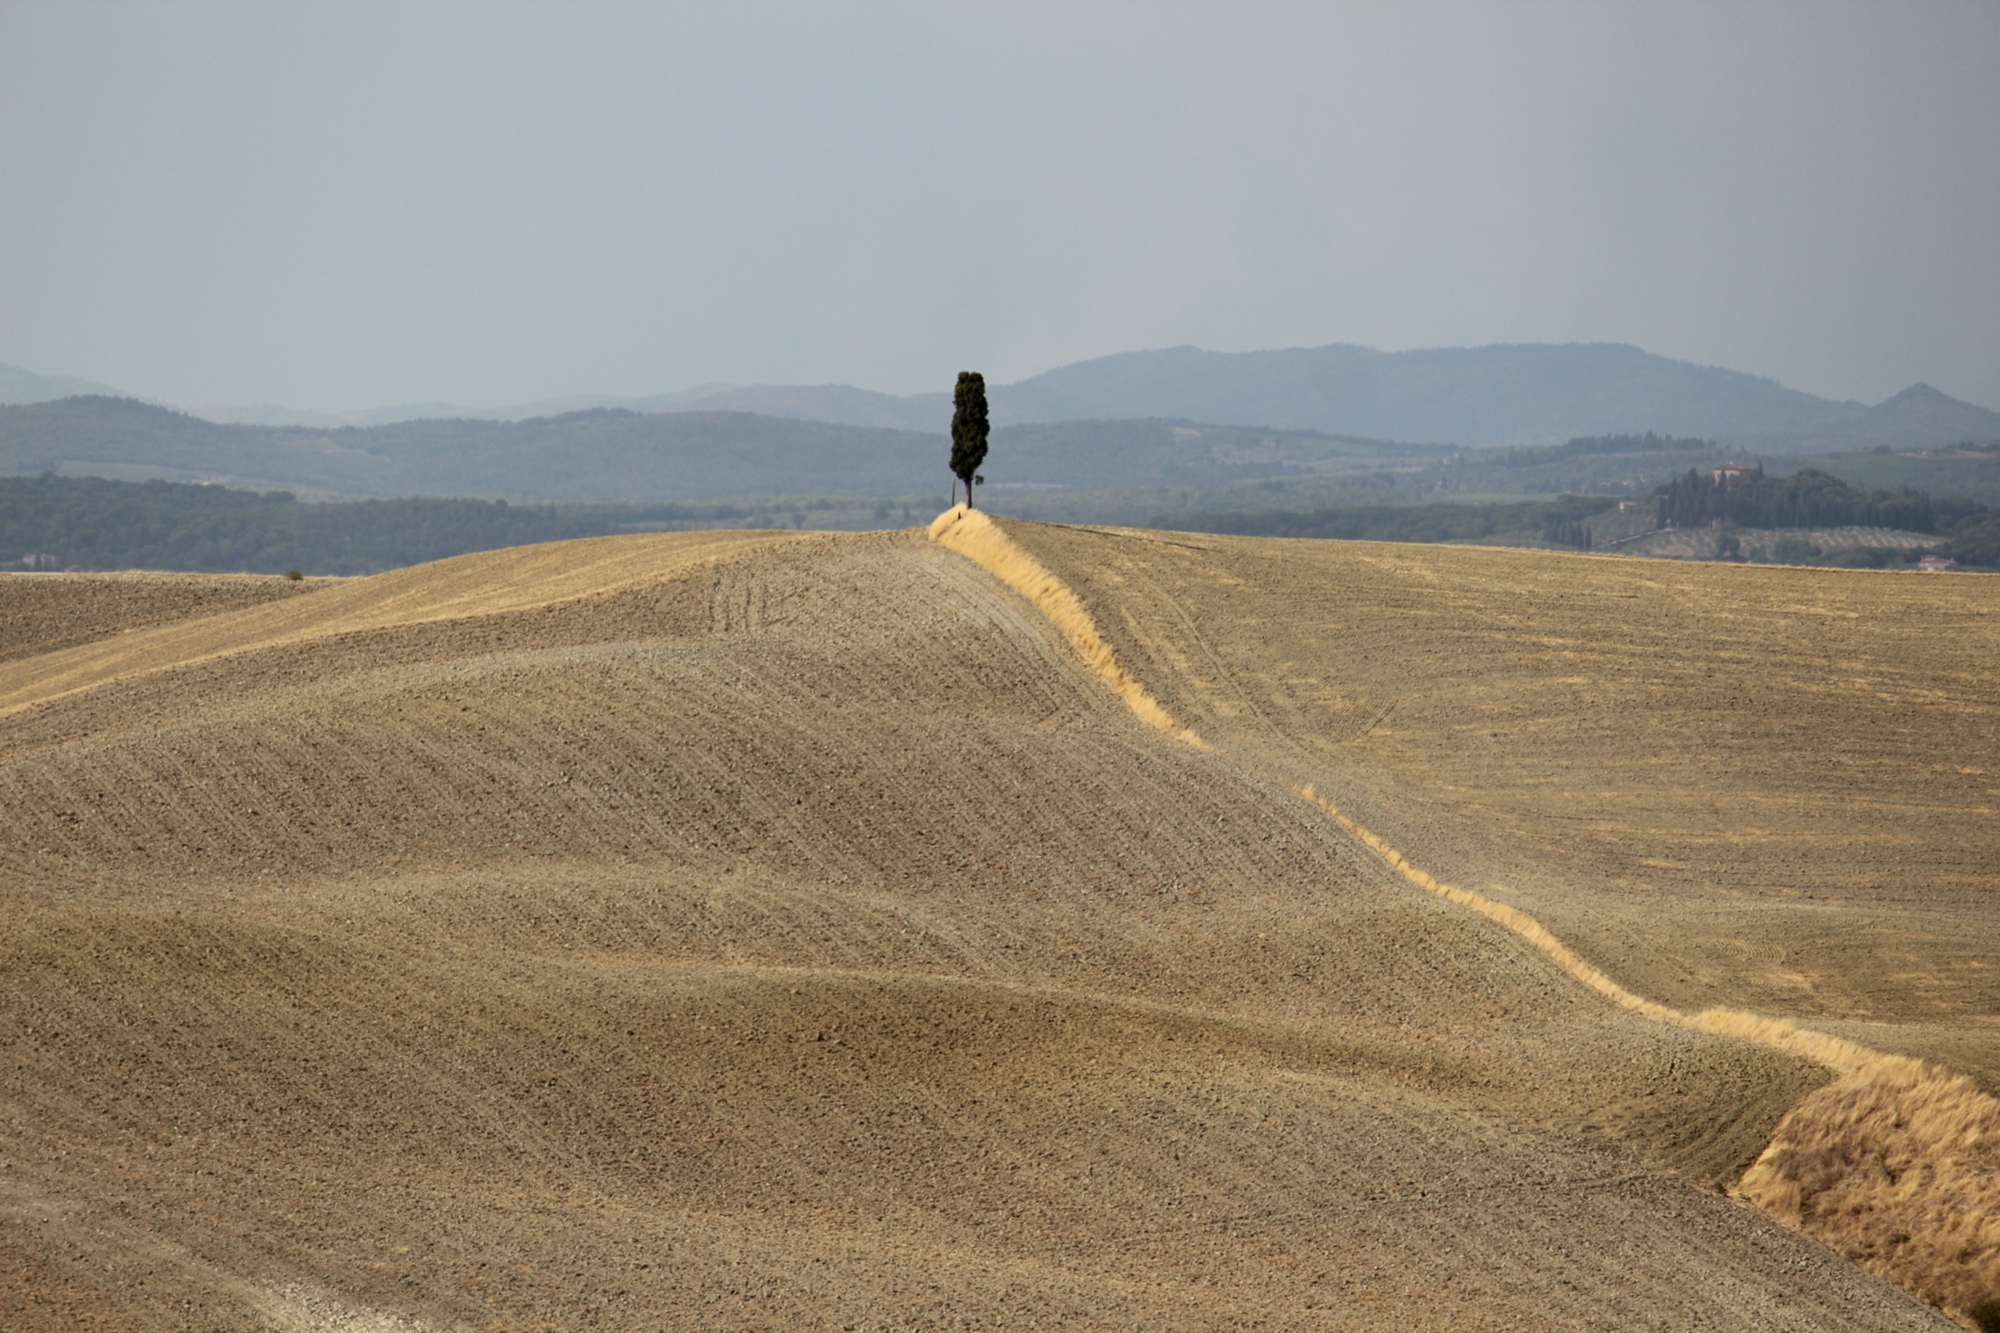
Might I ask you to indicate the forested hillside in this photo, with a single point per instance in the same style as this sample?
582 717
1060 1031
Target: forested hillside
603 471
1808 498
1967 531
88 523
92 524
599 455
1110 470
613 455
1408 523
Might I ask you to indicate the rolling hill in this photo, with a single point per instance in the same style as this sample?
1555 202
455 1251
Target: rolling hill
755 929
1509 394
597 455
611 455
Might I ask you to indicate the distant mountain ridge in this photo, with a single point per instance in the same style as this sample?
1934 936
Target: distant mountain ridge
1506 394
274 414
25 386
1503 394
1135 471
595 455
611 454
842 404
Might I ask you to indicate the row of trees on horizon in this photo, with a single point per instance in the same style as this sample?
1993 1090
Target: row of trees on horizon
1808 498
86 523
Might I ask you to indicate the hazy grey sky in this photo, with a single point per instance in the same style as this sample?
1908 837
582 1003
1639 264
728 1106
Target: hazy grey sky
345 205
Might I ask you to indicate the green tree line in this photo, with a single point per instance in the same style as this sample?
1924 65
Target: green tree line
1403 523
1808 498
1969 532
56 522
1572 532
1585 446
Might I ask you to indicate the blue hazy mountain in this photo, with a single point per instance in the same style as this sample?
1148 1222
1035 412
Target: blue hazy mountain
1508 394
1525 393
25 386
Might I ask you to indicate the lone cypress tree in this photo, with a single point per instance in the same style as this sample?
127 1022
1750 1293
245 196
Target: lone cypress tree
968 429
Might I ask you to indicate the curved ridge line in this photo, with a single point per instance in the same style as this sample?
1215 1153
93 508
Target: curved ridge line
1939 1123
1836 1053
975 536
1935 1124
980 540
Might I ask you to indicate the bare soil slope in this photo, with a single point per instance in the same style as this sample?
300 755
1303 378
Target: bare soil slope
1769 788
40 613
753 930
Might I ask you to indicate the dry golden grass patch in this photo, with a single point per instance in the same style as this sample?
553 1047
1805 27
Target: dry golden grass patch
1897 1166
976 537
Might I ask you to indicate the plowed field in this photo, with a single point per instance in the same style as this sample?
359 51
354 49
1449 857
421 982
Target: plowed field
1769 788
778 931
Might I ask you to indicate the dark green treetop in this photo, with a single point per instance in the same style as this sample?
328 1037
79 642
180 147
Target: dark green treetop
968 429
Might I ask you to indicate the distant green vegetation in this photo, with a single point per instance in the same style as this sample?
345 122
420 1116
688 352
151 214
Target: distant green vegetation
1590 446
609 455
1967 471
1968 532
87 523
1406 523
600 456
1808 498
1117 471
1975 540
1572 532
1195 477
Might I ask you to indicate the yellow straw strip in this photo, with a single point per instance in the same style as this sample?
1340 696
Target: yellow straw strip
1896 1163
980 540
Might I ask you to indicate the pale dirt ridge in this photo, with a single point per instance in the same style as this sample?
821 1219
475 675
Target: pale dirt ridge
792 935
298 1310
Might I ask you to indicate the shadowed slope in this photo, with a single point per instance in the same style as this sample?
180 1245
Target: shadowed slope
796 937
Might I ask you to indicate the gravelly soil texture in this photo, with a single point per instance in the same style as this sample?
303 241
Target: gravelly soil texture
43 612
776 931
